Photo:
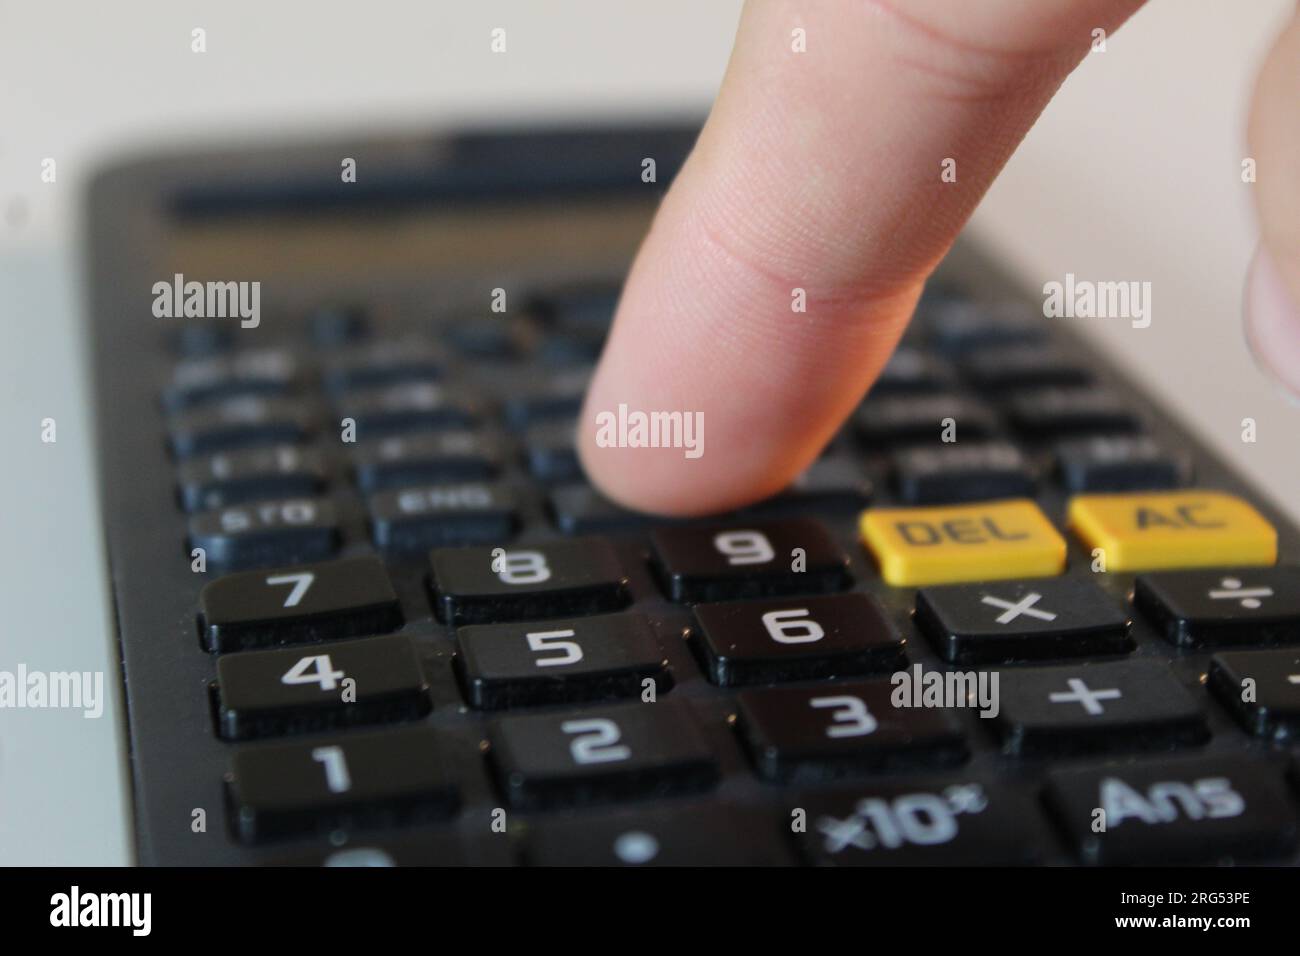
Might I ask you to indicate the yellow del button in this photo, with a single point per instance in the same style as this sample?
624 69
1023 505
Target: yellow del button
1173 529
980 542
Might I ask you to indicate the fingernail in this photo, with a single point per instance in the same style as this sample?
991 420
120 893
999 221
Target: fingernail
1273 323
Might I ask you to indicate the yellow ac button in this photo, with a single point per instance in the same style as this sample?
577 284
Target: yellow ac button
1173 529
979 542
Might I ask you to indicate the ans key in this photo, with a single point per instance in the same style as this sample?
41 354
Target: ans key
557 579
298 604
760 559
582 659
393 778
1186 810
370 681
597 755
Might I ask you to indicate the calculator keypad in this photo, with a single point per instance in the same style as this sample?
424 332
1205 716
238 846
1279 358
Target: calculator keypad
428 637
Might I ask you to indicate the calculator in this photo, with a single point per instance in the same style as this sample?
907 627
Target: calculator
370 612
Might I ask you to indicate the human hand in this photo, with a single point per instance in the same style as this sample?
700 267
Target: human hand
821 173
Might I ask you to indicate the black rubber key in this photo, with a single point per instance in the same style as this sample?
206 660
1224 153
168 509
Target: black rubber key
596 755
557 579
922 419
1119 463
1134 705
811 735
1223 606
409 520
407 406
1023 366
389 362
403 461
375 780
1186 810
492 336
963 471
751 642
287 531
260 372
830 485
581 509
1006 622
297 605
336 325
1047 413
370 681
1262 688
912 371
711 835
238 423
960 327
558 398
551 455
229 478
947 822
757 559
568 661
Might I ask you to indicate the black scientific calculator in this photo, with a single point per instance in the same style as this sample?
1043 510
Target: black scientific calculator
371 613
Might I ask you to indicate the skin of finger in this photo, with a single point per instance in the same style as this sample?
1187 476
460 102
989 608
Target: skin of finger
821 173
1274 138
